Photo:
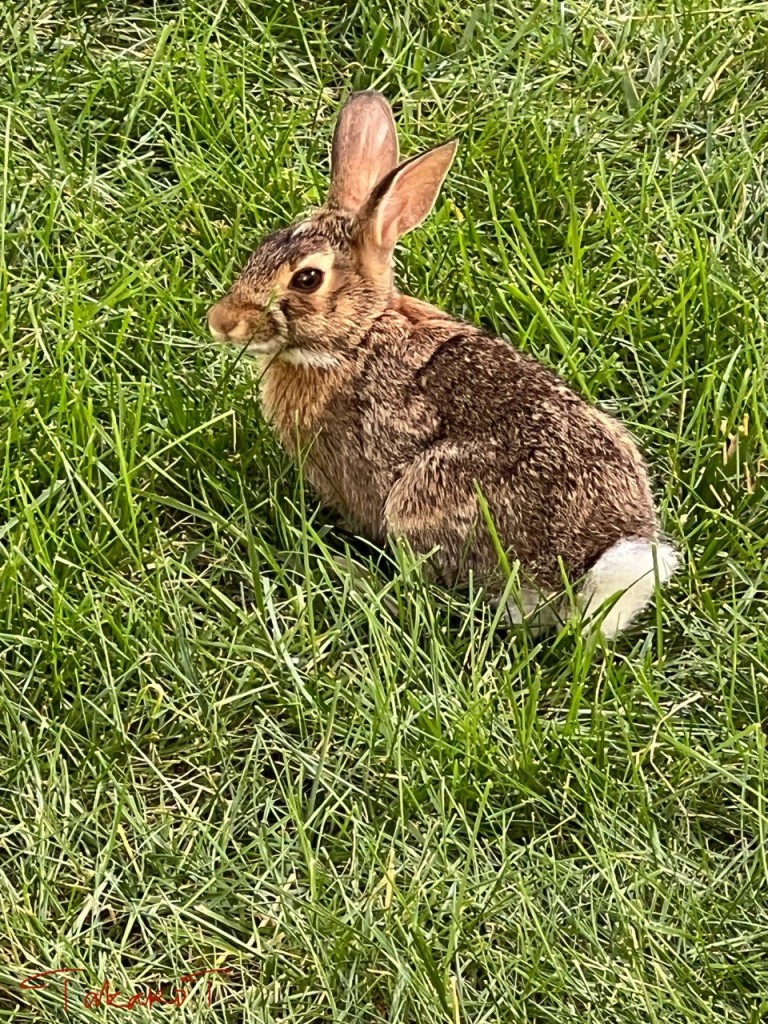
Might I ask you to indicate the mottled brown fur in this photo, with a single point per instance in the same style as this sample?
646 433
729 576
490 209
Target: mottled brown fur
400 410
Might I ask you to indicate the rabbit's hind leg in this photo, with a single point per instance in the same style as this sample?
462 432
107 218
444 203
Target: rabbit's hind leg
433 506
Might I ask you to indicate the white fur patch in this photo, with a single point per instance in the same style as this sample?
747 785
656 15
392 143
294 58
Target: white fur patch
627 568
262 348
309 358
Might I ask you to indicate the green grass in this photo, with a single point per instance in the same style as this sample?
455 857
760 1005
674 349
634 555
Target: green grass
233 736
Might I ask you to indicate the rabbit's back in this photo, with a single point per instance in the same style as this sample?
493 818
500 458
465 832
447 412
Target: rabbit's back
561 478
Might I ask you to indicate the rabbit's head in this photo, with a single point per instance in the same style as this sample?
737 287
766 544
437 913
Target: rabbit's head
310 291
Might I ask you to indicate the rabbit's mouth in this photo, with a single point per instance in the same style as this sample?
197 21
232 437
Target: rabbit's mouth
269 335
258 331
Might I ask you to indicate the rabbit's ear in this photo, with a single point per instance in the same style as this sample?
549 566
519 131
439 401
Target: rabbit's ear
364 149
404 198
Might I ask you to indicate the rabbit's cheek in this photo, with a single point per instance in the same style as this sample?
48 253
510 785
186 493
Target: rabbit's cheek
265 334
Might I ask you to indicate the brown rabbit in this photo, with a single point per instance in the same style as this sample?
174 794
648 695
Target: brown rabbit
403 412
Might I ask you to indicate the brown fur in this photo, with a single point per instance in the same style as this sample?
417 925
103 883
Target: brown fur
411 409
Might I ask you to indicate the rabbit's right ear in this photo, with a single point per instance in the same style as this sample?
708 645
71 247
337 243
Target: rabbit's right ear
364 149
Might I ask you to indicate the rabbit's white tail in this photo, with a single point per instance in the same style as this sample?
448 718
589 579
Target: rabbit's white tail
628 571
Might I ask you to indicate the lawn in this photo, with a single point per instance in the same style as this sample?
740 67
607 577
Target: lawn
236 738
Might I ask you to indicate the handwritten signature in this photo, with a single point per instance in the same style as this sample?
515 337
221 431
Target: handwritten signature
107 995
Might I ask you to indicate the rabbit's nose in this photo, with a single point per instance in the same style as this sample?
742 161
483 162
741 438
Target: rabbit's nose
223 320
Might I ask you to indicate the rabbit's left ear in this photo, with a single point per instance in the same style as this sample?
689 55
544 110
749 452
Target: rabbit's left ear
405 196
364 149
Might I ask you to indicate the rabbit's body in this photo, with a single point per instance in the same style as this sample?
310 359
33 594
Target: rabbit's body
395 441
400 413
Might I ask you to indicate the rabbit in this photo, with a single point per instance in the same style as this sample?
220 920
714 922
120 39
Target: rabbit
403 414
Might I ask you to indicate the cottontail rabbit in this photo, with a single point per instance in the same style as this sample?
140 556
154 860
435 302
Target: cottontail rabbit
403 412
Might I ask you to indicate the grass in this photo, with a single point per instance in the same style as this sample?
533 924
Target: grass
234 737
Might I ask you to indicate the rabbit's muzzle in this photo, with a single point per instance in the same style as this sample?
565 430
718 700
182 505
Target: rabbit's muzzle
253 328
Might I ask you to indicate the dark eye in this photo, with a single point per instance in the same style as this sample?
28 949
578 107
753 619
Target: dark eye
308 279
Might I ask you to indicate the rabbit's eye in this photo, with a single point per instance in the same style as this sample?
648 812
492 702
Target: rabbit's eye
308 279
